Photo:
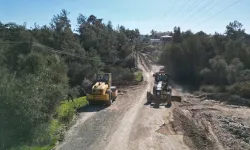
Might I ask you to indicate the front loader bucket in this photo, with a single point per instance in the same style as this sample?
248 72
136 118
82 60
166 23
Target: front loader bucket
176 98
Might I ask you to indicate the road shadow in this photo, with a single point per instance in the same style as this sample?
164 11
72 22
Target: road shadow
91 108
153 105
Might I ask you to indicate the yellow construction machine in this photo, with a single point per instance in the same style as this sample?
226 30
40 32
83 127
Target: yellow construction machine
102 91
162 91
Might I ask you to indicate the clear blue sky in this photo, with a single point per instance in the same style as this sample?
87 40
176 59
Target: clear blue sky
142 14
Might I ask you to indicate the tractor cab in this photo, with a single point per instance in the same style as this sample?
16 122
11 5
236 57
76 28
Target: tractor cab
102 89
161 76
103 77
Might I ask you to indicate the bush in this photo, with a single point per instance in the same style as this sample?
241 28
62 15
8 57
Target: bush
128 76
208 88
240 88
213 89
138 76
67 109
46 135
32 148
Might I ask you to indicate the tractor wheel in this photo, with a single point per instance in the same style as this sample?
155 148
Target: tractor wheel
156 105
110 100
149 97
157 102
169 101
168 105
114 98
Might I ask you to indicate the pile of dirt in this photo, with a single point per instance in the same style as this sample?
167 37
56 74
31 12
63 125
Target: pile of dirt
235 131
195 136
226 126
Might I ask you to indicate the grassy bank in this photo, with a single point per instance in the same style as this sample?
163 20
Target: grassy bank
138 75
56 128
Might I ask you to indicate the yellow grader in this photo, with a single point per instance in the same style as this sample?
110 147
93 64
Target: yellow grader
162 91
102 91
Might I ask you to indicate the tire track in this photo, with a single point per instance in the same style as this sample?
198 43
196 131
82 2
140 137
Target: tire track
97 129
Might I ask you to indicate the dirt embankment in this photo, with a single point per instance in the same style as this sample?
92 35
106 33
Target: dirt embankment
208 124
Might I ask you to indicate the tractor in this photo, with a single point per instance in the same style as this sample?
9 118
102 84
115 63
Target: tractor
162 91
102 91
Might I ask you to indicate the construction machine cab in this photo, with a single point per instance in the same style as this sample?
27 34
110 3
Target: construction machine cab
162 91
103 77
102 89
161 76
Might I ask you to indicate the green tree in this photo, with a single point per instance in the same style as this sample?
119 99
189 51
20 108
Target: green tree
234 30
177 35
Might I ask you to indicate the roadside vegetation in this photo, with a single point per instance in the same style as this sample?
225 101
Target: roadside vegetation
57 126
217 63
41 65
138 75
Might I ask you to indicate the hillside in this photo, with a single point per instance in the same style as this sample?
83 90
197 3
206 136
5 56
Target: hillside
40 66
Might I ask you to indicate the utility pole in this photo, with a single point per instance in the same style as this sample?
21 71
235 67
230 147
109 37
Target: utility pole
31 44
136 57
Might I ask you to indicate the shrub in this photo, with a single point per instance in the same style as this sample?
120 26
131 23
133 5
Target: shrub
32 148
67 109
46 135
138 76
240 88
208 88
213 89
128 76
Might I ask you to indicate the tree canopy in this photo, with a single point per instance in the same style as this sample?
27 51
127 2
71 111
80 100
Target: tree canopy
39 66
218 59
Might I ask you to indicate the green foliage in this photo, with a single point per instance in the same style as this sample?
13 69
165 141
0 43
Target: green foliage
32 148
213 89
40 66
138 76
177 35
49 133
67 110
240 88
29 99
128 76
201 59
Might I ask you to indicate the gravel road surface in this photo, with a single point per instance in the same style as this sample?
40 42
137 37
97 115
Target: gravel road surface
128 124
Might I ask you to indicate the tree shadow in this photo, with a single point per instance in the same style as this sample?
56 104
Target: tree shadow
91 108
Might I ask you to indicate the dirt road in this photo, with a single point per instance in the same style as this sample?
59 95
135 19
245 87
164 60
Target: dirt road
127 124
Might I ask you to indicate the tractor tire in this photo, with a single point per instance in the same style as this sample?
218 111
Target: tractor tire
157 102
168 105
109 103
149 97
169 101
156 105
110 100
